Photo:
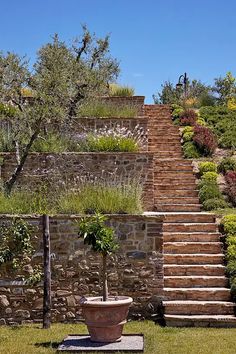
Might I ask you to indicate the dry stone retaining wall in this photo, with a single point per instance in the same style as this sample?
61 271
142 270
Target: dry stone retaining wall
71 167
135 270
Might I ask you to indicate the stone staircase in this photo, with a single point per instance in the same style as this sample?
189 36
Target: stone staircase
196 291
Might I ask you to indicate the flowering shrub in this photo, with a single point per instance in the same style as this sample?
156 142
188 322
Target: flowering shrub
188 117
117 138
205 140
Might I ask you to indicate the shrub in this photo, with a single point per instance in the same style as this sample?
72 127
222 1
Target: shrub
205 140
227 164
111 143
6 141
229 227
188 117
201 121
207 167
233 287
227 139
209 177
187 133
107 110
122 91
230 177
55 143
231 268
209 191
190 151
176 111
214 203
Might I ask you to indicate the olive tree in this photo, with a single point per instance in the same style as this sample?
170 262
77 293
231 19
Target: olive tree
63 76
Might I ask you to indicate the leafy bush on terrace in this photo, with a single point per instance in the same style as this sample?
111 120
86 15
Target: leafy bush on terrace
207 167
227 164
101 109
205 140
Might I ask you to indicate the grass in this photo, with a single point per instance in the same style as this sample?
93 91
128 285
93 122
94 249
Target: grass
108 199
158 340
101 109
111 143
121 91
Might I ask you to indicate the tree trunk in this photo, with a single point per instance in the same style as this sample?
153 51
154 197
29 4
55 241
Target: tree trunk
104 278
47 273
12 180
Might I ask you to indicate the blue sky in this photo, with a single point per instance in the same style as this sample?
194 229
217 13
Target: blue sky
154 40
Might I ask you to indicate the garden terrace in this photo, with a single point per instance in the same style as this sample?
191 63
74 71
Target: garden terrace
137 101
71 167
135 270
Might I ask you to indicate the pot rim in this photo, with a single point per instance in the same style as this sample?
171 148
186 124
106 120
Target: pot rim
96 301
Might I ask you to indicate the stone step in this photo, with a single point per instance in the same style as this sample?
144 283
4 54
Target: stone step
172 162
168 146
163 139
191 307
180 186
190 269
177 174
184 259
190 227
176 200
201 294
192 247
217 321
173 168
195 281
176 207
190 217
164 153
191 237
172 193
174 134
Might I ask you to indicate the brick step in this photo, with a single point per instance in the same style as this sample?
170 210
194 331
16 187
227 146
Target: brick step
174 134
189 269
163 153
172 168
190 217
177 173
172 193
201 294
190 227
194 281
176 200
192 247
176 207
200 259
217 321
191 237
172 162
168 147
191 307
180 186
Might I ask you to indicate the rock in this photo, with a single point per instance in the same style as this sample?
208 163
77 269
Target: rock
17 291
2 321
22 314
30 291
3 301
38 304
5 290
136 254
71 302
62 293
70 315
8 311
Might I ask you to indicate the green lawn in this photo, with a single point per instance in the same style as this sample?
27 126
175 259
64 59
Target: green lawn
33 339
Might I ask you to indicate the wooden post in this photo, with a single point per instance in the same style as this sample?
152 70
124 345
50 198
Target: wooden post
47 273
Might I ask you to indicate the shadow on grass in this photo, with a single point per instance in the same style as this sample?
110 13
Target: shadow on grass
53 345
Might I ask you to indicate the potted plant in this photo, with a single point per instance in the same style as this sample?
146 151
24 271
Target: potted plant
104 315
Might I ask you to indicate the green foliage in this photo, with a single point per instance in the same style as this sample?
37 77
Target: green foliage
103 198
209 177
201 121
214 203
225 87
96 234
7 111
121 91
101 109
187 133
229 227
176 111
111 143
190 150
227 164
55 143
207 167
223 123
6 141
209 191
16 247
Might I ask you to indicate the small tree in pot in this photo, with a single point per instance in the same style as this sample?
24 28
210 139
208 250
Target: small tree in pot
105 316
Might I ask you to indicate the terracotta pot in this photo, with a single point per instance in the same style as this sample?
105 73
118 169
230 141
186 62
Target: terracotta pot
105 319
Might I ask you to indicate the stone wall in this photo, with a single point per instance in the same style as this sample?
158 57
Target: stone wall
71 166
135 270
